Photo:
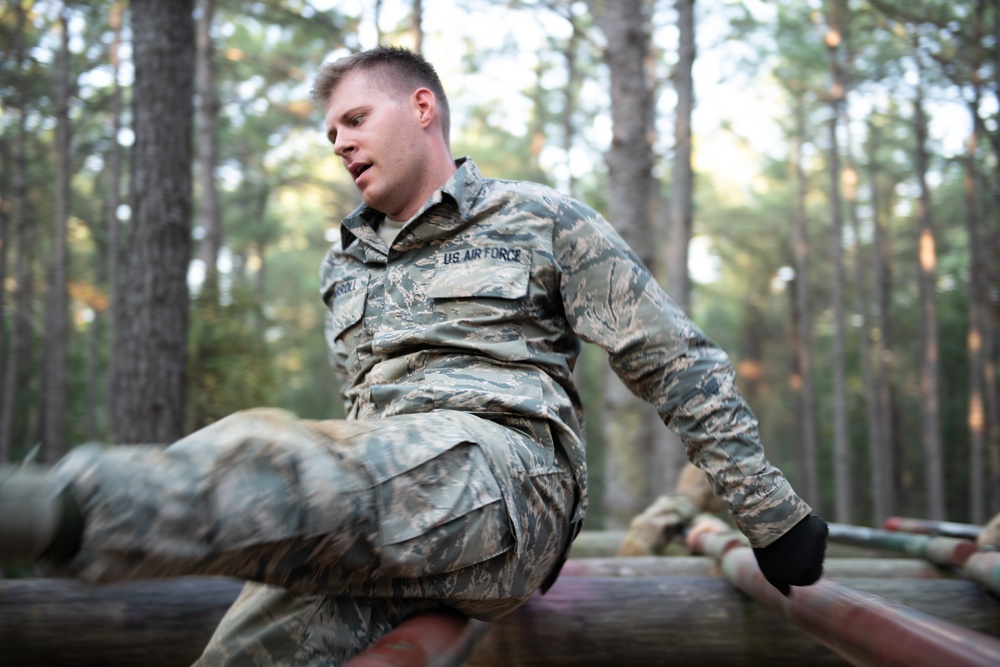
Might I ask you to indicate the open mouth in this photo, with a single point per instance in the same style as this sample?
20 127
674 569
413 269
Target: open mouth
357 170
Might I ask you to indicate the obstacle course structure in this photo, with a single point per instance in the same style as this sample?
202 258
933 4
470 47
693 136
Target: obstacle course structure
887 607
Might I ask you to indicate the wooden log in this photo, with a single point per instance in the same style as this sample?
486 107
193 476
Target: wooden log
680 621
596 543
703 566
640 566
692 621
56 622
583 620
957 601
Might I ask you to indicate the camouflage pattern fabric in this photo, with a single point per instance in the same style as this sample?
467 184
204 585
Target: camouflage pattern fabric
359 523
479 306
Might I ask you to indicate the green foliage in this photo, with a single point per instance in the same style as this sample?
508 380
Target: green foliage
229 366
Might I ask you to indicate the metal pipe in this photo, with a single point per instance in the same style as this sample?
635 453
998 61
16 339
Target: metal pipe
930 527
983 567
946 551
861 628
429 639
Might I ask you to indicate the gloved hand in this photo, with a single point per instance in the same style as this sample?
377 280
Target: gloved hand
795 558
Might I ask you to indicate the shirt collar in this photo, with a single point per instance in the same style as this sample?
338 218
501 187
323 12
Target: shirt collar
462 188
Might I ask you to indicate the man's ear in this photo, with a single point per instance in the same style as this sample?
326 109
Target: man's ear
425 106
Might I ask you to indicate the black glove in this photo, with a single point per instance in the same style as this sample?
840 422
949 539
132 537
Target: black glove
795 558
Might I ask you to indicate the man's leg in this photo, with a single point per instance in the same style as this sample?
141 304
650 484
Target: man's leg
268 625
413 507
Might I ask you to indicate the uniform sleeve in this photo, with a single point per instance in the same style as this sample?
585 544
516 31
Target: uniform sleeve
612 300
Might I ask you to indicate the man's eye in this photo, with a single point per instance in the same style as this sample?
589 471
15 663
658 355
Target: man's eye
357 121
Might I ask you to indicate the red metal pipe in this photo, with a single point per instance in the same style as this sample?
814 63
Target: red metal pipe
429 639
861 628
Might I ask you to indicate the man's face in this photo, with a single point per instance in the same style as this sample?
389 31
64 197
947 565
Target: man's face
377 134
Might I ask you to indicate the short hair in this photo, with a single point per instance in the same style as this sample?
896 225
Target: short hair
391 65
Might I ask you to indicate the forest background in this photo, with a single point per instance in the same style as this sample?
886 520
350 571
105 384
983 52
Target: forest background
815 181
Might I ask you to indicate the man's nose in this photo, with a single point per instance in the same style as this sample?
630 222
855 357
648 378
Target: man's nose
343 146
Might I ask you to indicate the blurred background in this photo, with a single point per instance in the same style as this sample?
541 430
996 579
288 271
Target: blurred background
815 182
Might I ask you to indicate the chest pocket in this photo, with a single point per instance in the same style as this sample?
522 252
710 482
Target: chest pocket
482 273
345 300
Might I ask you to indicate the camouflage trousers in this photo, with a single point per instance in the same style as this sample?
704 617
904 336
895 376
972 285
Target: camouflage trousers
343 528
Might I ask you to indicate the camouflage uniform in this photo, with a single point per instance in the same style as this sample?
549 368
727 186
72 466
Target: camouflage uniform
459 476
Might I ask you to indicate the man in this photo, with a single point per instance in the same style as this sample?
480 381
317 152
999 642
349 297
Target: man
456 305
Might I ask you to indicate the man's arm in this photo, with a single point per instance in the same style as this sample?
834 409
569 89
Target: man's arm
612 300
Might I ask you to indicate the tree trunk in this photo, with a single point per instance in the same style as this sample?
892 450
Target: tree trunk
54 422
91 419
884 495
6 205
930 406
151 375
990 344
19 342
866 359
842 468
628 425
975 339
992 401
537 128
570 55
807 453
976 417
208 107
5 241
115 324
682 187
416 25
377 11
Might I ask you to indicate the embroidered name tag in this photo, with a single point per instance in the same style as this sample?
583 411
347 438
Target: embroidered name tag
473 254
345 287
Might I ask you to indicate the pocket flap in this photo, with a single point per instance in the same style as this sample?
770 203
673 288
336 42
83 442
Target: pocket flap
447 487
345 298
496 273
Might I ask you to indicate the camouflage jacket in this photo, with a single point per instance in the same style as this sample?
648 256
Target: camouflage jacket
480 305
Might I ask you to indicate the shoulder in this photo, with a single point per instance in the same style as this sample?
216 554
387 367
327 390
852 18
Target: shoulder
532 198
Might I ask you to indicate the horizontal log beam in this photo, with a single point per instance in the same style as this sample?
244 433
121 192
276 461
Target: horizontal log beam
63 622
584 619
